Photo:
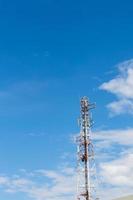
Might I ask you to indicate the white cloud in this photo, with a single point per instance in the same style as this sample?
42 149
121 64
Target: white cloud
117 136
4 180
118 172
122 87
116 192
61 184
54 185
115 157
121 106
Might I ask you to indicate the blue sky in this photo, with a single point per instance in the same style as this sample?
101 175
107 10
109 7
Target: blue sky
51 54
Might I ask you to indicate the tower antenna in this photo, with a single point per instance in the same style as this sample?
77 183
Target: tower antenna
86 182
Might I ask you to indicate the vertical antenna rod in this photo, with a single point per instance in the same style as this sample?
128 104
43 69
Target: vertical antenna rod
85 154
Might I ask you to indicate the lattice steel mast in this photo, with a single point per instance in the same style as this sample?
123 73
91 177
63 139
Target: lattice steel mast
85 155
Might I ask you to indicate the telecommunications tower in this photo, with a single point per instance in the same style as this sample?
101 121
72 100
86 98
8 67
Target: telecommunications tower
86 170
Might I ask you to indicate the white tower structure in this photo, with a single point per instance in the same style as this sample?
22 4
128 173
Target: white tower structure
86 181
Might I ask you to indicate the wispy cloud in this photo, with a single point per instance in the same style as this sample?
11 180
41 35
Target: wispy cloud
117 177
122 87
27 87
115 157
115 136
114 151
119 172
60 184
42 184
113 143
22 96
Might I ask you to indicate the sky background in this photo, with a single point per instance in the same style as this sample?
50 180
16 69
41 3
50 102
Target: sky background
52 53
